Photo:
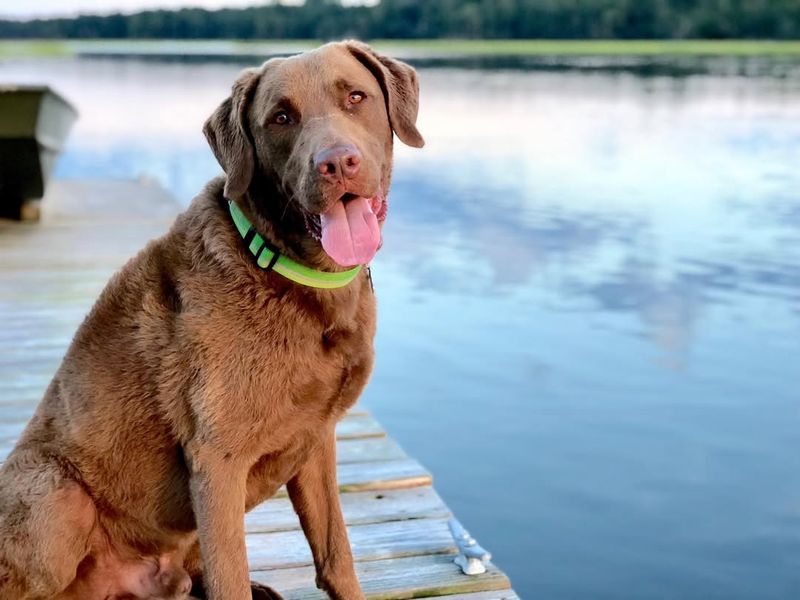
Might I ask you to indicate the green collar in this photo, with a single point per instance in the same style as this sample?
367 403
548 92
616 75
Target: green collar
270 259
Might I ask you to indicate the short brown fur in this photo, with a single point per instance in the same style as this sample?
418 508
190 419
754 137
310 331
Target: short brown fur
200 383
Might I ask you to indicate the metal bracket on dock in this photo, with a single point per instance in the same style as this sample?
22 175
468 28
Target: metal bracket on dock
471 557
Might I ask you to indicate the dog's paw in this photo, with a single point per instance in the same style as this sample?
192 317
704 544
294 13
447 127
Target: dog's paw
263 592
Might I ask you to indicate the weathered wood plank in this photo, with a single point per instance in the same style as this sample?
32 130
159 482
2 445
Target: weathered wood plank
377 541
50 344
386 475
350 449
37 362
359 508
393 579
493 595
22 383
36 330
14 416
353 477
371 449
359 426
59 294
15 413
9 432
25 399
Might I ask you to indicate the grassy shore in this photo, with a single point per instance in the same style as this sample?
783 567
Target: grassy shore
51 48
599 47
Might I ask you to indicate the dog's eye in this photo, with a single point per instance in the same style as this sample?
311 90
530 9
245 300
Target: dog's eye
356 97
281 118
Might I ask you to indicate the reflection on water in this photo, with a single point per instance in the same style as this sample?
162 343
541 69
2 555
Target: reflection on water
590 288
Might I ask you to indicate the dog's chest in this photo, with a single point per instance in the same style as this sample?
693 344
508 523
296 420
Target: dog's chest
339 365
295 370
317 395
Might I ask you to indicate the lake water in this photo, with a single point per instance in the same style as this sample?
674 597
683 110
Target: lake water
589 303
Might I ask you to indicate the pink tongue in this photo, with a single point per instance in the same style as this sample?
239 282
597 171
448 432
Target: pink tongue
350 232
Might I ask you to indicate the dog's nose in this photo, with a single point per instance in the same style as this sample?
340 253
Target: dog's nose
338 163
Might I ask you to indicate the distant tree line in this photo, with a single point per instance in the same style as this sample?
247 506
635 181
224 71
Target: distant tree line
409 19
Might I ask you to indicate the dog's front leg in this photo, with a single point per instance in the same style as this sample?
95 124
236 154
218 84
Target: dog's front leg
218 487
315 496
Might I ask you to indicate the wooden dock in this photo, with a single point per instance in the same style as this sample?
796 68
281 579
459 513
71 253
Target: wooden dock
50 274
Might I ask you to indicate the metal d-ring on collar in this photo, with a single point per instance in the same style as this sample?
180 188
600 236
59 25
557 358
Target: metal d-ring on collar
268 258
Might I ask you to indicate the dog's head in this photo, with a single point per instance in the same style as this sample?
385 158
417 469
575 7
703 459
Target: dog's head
317 128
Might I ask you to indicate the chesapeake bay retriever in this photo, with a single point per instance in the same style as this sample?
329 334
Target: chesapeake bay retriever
200 382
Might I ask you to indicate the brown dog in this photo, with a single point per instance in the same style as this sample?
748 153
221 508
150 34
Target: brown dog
201 382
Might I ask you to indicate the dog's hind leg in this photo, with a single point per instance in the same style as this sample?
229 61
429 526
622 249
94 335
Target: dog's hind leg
46 522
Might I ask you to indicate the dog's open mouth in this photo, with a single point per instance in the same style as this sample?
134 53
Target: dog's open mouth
350 228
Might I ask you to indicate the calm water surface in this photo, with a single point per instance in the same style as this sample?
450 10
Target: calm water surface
589 305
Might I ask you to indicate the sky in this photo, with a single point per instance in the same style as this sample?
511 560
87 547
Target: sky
18 9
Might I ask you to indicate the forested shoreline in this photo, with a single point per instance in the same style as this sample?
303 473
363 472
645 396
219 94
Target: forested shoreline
431 19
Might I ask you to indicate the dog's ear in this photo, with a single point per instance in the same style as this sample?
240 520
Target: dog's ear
228 134
400 88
